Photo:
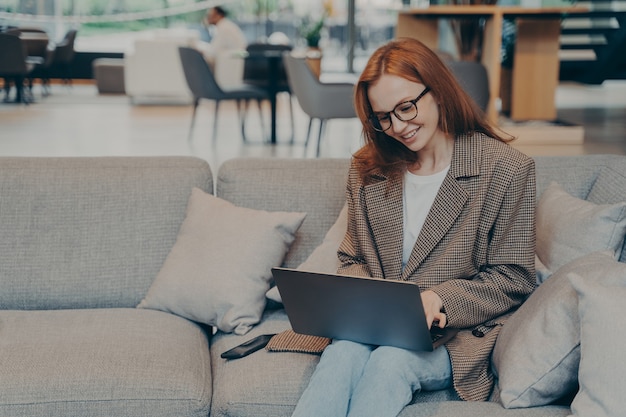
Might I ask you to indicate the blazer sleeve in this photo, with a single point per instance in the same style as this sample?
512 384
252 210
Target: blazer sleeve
506 275
351 257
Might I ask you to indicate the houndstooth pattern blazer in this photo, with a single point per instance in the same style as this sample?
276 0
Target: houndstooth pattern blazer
476 248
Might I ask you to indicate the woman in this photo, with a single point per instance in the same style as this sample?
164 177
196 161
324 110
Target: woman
435 196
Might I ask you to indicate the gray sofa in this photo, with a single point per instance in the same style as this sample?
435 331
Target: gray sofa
82 242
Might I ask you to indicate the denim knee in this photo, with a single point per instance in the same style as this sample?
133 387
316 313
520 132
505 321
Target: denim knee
344 352
421 370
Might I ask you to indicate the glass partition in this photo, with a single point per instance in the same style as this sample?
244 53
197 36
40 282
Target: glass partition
112 25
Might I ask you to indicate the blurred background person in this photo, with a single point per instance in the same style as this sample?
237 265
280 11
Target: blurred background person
225 35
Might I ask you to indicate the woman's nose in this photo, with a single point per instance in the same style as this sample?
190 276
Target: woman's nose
397 125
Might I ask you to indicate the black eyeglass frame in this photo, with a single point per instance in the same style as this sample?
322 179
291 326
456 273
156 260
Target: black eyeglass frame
375 120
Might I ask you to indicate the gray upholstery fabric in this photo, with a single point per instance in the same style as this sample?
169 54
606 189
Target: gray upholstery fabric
82 233
576 174
599 178
102 362
478 409
278 184
263 383
89 232
268 383
609 188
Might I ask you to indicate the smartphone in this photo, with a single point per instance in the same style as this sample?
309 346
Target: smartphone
248 347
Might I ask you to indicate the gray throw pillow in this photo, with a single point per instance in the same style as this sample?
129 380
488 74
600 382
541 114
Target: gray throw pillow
568 227
603 337
537 352
609 188
219 269
324 258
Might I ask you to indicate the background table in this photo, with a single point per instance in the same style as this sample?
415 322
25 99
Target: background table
274 59
535 73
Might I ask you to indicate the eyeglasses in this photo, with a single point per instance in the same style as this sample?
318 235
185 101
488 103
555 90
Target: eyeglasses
405 111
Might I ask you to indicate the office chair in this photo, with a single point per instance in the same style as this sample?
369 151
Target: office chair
15 66
474 79
39 47
202 84
318 100
64 54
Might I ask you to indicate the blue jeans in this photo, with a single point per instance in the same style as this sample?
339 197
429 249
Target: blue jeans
354 379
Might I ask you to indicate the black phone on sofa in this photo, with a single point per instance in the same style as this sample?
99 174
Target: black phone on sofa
248 347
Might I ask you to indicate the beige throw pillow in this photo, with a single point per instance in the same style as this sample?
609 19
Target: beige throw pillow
537 353
219 269
568 227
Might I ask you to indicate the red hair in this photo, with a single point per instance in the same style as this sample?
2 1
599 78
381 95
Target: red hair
411 59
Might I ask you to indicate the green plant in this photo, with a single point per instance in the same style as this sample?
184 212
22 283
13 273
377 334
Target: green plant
311 31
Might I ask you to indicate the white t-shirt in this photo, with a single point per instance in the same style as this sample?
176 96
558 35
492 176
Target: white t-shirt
228 36
417 197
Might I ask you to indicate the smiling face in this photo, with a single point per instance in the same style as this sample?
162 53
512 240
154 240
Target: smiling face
418 134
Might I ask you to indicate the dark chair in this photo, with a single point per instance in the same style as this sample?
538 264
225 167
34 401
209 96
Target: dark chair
474 79
64 55
319 100
202 84
14 66
256 70
37 45
43 71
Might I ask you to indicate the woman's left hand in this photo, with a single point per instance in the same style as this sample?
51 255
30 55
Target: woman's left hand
432 307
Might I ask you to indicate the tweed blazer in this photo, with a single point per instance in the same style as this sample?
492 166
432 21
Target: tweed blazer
476 248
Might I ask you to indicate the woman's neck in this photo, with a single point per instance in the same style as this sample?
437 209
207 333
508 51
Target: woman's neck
434 159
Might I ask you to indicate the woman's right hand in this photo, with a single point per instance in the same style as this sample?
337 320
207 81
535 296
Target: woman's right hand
432 307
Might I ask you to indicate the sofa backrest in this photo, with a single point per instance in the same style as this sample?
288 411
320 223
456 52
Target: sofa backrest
89 232
94 232
317 187
600 179
576 174
314 186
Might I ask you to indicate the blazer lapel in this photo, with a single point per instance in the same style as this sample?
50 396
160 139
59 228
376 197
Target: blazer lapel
386 223
448 204
446 208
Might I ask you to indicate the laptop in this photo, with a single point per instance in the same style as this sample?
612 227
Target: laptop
366 310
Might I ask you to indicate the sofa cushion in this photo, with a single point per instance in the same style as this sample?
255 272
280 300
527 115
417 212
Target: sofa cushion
445 408
538 350
568 227
324 258
268 383
102 362
576 173
603 337
89 232
609 188
276 184
219 269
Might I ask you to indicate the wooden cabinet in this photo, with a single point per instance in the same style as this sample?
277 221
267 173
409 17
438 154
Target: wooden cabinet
535 74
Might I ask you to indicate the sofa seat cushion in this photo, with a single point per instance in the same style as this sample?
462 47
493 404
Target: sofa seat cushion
478 409
102 362
269 383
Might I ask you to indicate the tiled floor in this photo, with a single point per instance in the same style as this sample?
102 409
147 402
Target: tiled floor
78 122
